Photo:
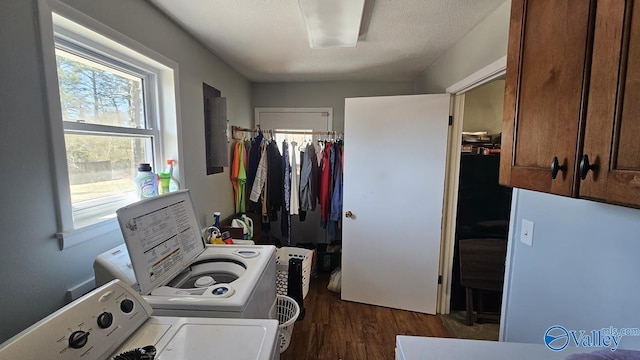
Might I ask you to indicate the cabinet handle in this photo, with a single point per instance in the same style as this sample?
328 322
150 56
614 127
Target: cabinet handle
348 214
585 167
556 167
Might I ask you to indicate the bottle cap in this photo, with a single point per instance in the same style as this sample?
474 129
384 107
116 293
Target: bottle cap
144 167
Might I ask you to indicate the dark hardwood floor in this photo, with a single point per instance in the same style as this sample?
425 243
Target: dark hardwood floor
335 329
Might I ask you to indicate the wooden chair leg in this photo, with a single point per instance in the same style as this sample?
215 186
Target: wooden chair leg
469 306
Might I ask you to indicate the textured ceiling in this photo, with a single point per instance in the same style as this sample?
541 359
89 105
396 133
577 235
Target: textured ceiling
266 40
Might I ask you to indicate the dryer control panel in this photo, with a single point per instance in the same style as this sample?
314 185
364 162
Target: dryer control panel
91 327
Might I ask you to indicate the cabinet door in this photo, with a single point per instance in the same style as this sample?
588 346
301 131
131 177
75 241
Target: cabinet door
612 131
547 65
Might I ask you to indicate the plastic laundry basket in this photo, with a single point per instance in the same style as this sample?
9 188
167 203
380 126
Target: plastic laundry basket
282 268
286 311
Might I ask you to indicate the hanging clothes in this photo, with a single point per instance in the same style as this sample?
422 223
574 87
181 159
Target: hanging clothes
318 151
260 176
294 202
333 164
336 197
242 181
254 160
266 225
325 184
303 213
286 175
285 225
309 179
235 164
275 181
239 176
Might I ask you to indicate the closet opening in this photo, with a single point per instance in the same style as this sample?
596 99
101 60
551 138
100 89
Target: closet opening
305 148
482 218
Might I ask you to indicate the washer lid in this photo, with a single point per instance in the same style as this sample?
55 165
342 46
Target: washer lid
163 237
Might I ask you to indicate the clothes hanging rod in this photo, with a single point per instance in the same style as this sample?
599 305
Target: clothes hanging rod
301 132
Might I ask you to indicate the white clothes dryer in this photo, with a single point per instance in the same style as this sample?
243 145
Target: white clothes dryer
178 275
114 322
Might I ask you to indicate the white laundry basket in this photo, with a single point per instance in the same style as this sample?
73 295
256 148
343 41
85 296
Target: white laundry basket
286 311
282 268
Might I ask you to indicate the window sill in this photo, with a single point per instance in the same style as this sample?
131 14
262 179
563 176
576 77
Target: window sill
72 238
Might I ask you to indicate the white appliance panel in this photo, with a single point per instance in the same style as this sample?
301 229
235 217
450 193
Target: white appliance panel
78 323
254 292
427 348
115 264
169 260
163 237
114 318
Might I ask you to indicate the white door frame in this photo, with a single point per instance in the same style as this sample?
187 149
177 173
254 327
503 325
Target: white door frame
457 90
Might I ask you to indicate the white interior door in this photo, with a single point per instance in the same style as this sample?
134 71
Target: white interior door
394 172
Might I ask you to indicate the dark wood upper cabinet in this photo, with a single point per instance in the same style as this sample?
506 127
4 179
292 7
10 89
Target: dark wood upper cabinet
611 152
572 90
547 72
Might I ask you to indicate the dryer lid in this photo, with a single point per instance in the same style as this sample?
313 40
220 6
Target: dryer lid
163 237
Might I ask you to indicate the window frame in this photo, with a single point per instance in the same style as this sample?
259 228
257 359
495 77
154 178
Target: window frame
90 210
62 24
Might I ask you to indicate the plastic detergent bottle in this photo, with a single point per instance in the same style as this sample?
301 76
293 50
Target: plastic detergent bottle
164 181
146 182
174 184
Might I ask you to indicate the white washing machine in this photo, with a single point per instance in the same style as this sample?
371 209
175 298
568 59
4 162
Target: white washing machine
114 322
178 275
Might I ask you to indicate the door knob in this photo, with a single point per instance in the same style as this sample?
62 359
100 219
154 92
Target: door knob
585 167
348 214
556 167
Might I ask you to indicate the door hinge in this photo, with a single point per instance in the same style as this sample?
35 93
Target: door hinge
450 120
439 279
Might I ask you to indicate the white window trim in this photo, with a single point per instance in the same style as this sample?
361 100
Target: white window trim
70 21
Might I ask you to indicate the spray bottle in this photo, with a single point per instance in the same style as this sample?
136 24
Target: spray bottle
174 184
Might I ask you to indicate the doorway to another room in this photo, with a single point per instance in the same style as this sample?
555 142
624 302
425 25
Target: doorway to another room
482 219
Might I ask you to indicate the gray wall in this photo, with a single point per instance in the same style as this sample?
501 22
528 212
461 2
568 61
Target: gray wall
483 108
324 94
483 45
35 273
581 272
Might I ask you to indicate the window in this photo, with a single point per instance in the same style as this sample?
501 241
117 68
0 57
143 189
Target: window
300 139
112 105
108 129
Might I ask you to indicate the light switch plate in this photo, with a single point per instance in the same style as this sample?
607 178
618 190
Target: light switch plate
526 232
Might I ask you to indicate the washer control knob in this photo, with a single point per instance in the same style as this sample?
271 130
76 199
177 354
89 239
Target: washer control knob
78 339
105 320
126 306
